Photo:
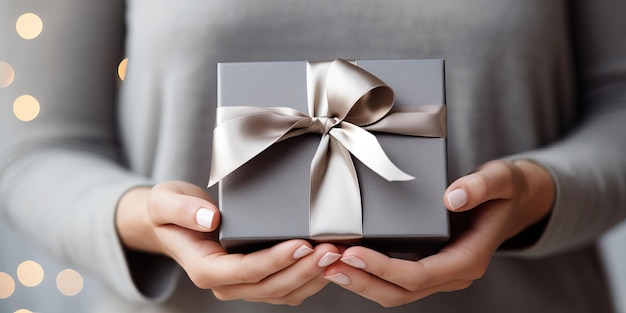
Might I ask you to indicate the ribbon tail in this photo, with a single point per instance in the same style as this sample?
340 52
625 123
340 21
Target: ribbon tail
365 147
335 208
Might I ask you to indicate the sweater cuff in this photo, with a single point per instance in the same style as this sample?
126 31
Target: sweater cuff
139 277
534 240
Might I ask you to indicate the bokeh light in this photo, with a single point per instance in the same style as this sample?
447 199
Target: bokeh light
69 282
26 108
29 26
121 69
30 273
7 285
23 311
7 74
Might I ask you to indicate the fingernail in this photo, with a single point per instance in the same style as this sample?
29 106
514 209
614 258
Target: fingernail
204 217
328 259
302 252
457 198
354 261
339 278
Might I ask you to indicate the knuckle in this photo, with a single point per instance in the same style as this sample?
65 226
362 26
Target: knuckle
395 301
505 165
278 259
275 292
473 266
152 206
249 277
278 263
509 170
418 278
200 281
482 179
481 184
458 285
179 210
360 288
476 268
416 284
244 273
249 270
383 271
199 278
290 301
464 284
477 272
222 295
293 301
309 274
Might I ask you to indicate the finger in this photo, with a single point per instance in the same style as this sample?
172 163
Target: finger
283 284
409 275
383 292
218 269
296 297
463 259
183 204
187 247
494 180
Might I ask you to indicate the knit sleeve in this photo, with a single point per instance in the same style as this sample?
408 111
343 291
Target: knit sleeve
589 164
62 168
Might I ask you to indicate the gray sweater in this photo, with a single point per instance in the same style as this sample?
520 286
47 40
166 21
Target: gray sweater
537 79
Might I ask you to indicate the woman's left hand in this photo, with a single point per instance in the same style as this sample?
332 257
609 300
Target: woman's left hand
504 198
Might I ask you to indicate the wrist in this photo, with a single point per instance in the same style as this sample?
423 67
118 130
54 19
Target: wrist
133 223
539 194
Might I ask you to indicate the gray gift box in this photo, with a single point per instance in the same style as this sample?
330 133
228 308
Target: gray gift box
266 201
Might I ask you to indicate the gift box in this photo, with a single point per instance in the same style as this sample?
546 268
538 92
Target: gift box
349 152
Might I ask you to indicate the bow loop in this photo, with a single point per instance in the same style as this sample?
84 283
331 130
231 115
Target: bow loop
355 95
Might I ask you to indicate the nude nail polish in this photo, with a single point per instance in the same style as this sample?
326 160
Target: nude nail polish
354 261
328 259
302 251
457 198
339 278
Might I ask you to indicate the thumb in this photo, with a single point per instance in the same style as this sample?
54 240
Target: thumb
183 204
492 181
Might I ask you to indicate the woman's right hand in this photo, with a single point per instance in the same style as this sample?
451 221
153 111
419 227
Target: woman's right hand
177 219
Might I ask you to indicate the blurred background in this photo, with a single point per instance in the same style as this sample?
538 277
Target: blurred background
30 281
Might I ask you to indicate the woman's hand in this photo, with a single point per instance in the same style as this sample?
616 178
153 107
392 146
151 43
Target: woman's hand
504 198
177 219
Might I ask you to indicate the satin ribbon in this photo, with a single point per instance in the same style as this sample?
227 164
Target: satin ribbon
345 102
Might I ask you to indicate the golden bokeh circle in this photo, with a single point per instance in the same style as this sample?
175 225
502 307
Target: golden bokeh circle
121 69
69 282
23 311
30 273
7 285
26 108
29 25
7 74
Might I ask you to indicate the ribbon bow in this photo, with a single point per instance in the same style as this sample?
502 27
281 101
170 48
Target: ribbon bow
344 102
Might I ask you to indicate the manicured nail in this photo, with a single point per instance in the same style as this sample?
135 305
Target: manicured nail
204 217
302 252
339 278
354 261
457 198
328 259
